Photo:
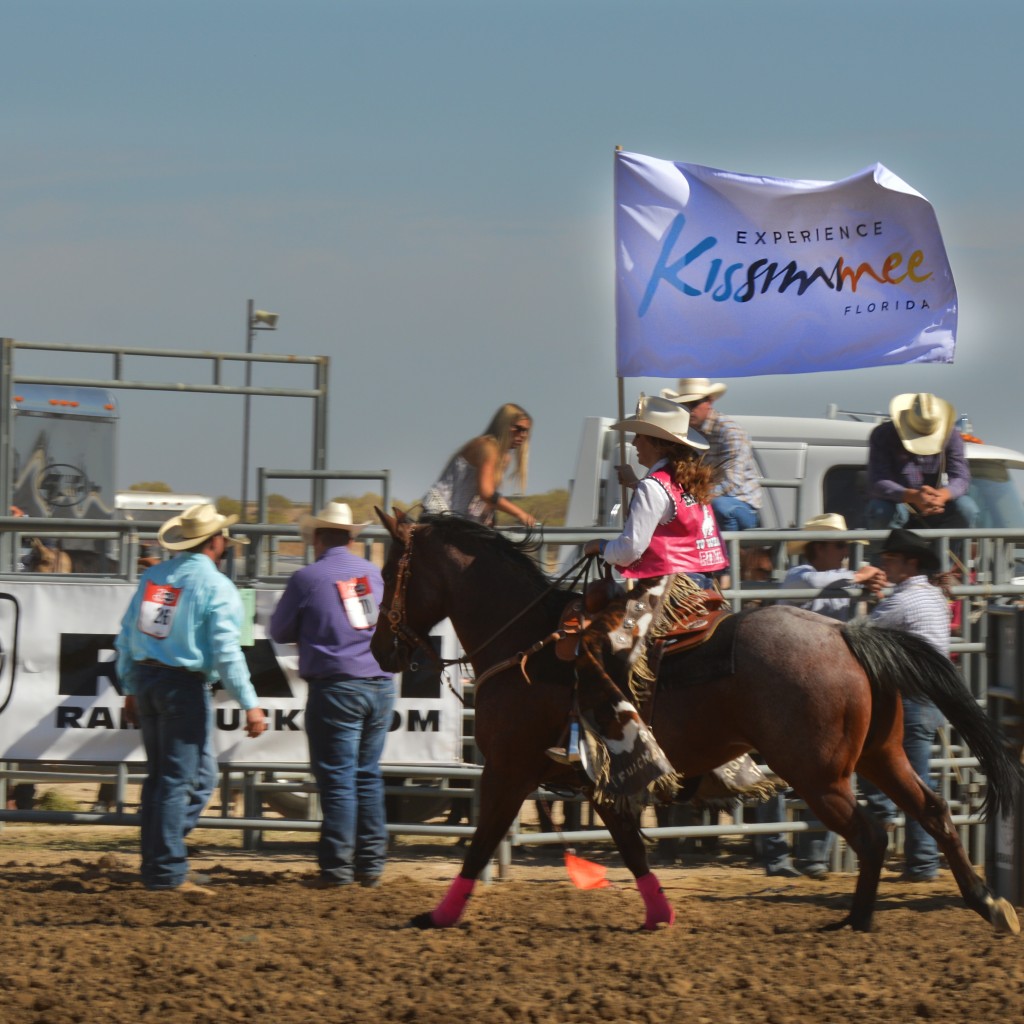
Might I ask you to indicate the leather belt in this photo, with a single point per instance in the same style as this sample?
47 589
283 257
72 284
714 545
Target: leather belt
173 668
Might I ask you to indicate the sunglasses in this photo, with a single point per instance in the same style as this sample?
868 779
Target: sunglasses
520 430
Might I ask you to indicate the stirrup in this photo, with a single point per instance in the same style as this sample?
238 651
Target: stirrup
570 753
563 755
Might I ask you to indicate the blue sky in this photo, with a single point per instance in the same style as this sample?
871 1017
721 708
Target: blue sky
423 192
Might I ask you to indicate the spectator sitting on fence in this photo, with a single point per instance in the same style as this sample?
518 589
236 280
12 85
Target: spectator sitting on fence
917 471
736 496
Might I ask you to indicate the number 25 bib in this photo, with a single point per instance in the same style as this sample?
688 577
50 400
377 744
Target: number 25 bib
159 605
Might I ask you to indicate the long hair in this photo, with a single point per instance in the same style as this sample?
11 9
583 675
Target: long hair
688 469
500 429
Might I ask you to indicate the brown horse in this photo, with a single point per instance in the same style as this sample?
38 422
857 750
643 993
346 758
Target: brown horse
818 699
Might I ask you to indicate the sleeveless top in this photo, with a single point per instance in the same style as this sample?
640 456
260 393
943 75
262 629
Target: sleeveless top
688 542
455 493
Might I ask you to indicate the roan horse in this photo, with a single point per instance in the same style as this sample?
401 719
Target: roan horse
818 699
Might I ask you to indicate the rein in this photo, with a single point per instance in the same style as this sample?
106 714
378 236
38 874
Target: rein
397 619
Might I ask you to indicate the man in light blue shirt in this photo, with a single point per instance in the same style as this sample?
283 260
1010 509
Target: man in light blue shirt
179 634
822 567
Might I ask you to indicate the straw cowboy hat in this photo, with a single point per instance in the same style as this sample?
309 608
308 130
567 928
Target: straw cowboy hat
906 542
658 417
826 521
194 526
692 390
335 515
924 422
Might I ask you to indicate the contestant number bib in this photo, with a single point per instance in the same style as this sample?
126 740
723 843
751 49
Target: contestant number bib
159 605
359 603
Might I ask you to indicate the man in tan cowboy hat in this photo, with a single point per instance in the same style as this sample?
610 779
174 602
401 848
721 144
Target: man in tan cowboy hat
180 633
917 472
821 568
329 608
737 496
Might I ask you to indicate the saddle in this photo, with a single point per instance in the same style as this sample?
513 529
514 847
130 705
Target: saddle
690 631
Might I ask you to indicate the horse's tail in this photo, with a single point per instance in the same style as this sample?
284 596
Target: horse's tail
899 662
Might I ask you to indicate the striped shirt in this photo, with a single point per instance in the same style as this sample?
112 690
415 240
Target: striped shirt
732 454
917 607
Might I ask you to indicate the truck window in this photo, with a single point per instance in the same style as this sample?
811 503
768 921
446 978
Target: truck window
846 492
996 494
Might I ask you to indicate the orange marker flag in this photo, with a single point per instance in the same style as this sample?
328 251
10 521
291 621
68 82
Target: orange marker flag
585 874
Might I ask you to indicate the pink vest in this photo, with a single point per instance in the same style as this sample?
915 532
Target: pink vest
689 542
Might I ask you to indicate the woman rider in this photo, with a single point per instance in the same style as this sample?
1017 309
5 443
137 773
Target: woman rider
669 547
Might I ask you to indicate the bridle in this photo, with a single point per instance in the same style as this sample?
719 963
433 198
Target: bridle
404 633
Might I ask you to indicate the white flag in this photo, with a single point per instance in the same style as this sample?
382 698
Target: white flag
736 275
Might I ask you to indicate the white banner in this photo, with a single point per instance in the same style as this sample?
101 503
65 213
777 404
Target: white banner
736 275
59 699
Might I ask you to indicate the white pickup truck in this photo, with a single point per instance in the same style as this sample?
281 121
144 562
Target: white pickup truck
809 465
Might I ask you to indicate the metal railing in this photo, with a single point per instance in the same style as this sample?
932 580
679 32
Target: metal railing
994 569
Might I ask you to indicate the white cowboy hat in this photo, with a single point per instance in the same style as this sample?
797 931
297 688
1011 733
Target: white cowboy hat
692 390
335 515
826 521
658 417
923 421
194 526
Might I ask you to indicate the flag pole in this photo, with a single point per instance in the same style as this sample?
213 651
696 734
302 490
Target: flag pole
623 489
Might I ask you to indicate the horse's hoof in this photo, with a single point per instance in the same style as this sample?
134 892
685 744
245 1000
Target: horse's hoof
662 919
1003 917
836 926
847 923
423 921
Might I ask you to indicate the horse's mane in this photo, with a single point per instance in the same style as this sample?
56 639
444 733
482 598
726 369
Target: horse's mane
475 538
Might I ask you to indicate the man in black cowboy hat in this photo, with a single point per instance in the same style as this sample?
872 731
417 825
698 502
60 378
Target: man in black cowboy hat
917 606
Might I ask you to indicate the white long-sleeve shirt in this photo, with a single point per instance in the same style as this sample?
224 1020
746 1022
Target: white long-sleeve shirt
650 506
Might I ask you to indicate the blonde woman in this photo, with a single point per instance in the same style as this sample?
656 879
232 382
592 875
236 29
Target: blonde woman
469 484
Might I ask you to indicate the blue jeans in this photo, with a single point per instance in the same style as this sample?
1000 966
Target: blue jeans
206 782
959 514
813 849
733 514
175 714
346 724
772 849
920 724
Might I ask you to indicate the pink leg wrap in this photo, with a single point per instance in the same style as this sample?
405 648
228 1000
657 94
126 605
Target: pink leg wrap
659 910
450 909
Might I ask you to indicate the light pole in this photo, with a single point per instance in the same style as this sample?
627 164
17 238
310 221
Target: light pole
255 320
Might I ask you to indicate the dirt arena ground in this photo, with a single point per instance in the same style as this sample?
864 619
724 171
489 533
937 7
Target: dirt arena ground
83 942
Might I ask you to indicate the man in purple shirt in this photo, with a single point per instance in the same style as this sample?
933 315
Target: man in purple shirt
917 472
329 608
